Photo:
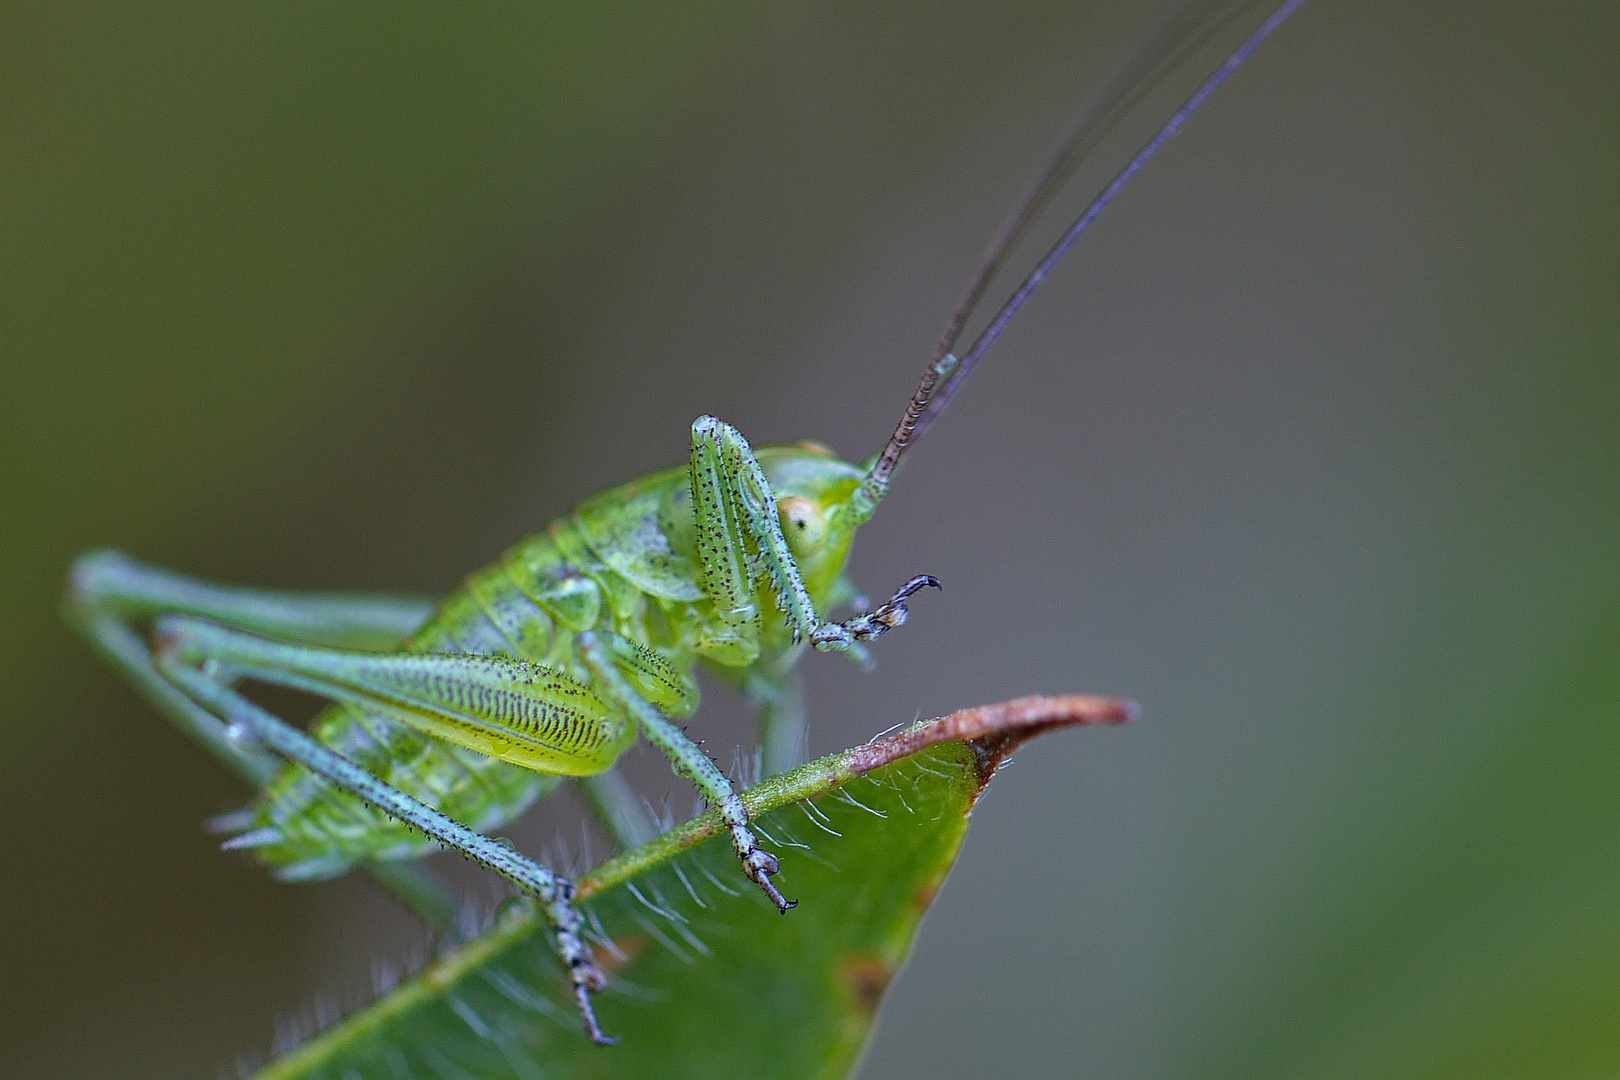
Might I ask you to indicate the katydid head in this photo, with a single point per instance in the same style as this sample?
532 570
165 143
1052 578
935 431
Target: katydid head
815 495
820 502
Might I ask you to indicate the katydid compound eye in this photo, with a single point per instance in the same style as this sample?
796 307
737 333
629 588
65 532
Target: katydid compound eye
802 523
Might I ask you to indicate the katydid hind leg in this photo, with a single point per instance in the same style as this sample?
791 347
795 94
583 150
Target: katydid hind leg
523 713
552 892
130 655
113 582
218 717
127 651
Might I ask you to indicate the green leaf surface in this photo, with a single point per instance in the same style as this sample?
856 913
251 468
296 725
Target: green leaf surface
707 979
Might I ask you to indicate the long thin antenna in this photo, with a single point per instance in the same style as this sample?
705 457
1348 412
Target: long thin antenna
1184 30
1161 53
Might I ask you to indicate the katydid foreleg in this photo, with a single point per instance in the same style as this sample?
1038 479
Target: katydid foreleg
741 548
777 691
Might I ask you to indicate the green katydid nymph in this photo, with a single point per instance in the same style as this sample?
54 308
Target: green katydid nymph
446 722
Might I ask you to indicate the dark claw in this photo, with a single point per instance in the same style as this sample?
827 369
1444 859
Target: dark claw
921 581
759 866
783 904
889 615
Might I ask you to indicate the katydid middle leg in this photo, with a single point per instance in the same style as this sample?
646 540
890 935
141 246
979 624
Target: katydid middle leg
777 695
688 760
617 808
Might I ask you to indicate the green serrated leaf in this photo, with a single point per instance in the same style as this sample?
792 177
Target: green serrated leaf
707 979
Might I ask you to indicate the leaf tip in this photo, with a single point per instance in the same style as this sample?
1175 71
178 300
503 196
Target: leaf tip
994 731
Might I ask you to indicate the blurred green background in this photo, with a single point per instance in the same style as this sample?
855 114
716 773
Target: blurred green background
1311 448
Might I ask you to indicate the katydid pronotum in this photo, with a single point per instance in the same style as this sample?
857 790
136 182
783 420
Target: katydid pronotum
448 722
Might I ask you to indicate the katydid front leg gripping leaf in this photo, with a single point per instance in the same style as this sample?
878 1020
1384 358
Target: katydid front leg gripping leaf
705 978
